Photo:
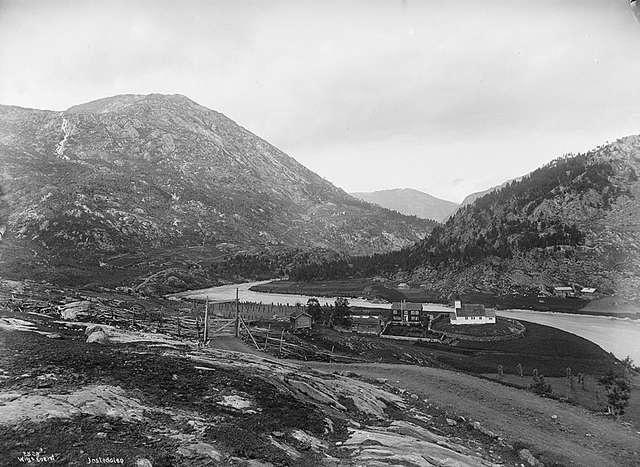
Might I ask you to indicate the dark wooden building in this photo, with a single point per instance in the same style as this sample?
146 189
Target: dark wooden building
300 321
409 314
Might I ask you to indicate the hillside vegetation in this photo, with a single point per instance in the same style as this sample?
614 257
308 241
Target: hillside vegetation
575 221
132 175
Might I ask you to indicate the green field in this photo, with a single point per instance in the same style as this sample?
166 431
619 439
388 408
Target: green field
549 350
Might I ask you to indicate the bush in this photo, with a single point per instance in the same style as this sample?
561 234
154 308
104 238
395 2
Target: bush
341 312
618 392
540 386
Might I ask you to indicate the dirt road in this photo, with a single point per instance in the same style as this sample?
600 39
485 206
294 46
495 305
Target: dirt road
562 432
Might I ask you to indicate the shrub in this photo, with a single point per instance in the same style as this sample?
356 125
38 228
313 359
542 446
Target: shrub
540 386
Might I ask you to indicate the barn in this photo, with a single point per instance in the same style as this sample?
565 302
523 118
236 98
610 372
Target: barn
300 321
471 313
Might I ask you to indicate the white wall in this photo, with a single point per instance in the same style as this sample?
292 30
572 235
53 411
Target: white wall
470 320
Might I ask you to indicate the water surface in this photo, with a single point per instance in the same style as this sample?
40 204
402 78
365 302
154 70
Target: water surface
621 336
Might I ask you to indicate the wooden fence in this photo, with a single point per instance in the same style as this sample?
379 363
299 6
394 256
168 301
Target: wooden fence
250 311
187 320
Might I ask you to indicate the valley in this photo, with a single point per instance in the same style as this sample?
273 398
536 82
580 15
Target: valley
616 335
332 234
130 224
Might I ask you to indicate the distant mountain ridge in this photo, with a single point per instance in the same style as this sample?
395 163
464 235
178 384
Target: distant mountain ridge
575 221
410 202
134 173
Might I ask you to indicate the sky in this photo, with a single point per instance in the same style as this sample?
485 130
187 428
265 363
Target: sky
447 97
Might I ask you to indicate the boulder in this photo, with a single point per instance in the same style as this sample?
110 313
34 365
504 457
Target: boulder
98 337
529 458
80 305
200 450
93 328
70 311
68 315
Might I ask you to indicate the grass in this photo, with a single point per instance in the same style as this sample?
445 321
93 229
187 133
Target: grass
590 395
549 350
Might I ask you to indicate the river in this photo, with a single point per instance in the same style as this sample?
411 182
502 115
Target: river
621 336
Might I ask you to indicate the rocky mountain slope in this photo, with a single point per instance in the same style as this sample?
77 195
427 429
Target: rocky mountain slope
575 221
133 174
470 199
410 202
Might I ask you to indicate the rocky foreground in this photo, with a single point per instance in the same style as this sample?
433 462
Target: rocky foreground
71 391
80 384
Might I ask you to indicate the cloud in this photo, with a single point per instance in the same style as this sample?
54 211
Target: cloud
400 93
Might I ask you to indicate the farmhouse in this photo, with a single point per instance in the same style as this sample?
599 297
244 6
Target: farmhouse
588 292
469 313
403 286
563 292
408 314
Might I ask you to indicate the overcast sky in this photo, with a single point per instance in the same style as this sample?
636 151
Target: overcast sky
444 96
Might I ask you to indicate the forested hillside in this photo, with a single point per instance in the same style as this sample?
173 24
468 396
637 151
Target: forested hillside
573 221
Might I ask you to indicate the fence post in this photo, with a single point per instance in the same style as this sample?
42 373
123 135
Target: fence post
206 321
281 339
266 339
237 315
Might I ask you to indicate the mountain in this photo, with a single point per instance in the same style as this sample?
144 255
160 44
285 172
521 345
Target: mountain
470 199
411 202
141 176
575 221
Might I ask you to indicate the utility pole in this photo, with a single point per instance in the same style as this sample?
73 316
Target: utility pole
237 315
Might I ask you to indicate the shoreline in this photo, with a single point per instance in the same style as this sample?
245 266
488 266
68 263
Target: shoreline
554 304
615 334
250 292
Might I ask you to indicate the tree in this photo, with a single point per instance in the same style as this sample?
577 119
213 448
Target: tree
314 309
628 366
341 313
618 392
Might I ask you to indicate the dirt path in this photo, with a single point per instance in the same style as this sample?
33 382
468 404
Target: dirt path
575 437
